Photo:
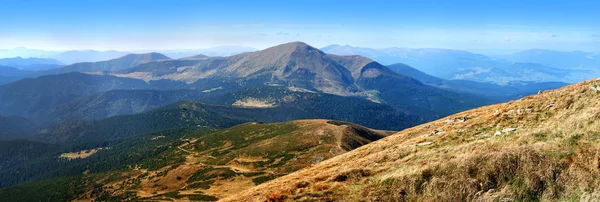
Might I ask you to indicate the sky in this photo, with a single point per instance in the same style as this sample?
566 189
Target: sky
195 24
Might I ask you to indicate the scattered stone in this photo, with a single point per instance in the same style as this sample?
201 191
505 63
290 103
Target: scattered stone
550 105
463 119
449 121
529 109
506 130
436 132
498 133
424 143
595 88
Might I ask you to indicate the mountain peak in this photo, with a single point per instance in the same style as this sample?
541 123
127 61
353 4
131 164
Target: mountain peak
292 47
146 56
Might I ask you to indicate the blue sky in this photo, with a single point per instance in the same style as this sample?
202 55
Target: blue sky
456 24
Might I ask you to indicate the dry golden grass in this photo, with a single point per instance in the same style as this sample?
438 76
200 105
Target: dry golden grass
540 148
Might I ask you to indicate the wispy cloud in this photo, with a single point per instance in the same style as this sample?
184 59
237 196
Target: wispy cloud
282 34
554 36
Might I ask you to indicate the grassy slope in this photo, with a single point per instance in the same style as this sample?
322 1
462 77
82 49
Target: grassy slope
552 155
206 165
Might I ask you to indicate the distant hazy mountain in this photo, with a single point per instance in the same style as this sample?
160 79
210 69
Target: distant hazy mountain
499 93
26 53
75 56
33 64
462 65
221 51
576 60
120 63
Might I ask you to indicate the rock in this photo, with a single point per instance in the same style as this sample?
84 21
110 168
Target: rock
463 119
595 88
424 143
498 133
506 130
550 105
529 109
436 132
449 121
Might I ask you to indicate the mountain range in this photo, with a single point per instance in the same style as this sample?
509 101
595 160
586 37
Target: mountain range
77 56
294 64
463 65
153 127
31 64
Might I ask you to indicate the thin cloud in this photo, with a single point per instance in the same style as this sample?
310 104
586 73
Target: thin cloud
282 34
554 36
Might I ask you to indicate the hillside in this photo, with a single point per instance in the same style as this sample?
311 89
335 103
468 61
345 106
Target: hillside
12 127
118 102
287 106
204 165
542 147
33 98
10 74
